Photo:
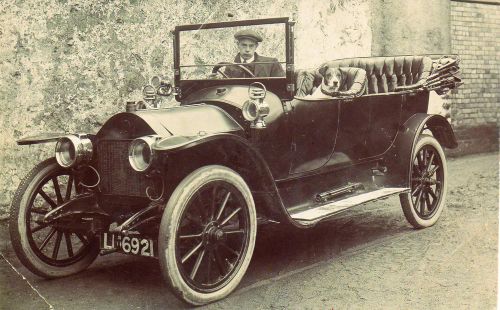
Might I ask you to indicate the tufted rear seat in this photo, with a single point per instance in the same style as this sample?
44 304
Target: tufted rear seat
384 74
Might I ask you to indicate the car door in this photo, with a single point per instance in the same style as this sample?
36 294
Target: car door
368 125
341 132
314 126
385 118
354 124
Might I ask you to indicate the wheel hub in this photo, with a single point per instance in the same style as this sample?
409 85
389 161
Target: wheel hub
213 234
427 181
218 235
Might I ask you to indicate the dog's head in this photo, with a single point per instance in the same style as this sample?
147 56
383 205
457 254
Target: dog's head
332 79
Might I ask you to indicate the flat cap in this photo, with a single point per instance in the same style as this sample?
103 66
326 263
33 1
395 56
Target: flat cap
248 34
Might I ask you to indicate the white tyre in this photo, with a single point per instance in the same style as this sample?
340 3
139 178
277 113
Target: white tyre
423 205
207 235
50 251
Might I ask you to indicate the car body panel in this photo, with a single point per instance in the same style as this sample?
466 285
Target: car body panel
179 121
273 142
236 96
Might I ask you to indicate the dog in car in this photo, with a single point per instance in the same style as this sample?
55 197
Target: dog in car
332 82
336 82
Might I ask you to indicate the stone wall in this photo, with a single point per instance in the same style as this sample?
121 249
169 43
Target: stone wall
67 65
410 27
475 36
328 30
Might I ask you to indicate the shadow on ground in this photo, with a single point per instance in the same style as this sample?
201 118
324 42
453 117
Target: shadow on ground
116 280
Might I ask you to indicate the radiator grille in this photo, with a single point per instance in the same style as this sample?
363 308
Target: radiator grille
117 176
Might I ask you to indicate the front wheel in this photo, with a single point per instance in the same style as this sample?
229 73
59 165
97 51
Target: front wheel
207 235
48 250
423 205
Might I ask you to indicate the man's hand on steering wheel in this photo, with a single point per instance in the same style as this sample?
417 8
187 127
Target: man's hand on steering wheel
217 69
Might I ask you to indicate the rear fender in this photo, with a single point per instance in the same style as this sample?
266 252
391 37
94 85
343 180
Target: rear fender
441 130
229 150
398 158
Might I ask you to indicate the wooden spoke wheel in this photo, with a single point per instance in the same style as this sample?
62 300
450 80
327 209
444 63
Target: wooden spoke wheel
48 250
426 200
207 235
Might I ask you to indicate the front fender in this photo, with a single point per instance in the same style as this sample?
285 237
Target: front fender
233 151
399 157
42 138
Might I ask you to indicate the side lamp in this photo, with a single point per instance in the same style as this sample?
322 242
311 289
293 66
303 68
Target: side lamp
255 108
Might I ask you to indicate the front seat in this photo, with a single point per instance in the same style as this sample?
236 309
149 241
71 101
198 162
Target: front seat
305 81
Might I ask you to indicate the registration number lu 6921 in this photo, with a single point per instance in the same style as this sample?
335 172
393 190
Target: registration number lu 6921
127 244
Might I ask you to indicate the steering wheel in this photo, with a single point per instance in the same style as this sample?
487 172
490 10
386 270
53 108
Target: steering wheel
217 69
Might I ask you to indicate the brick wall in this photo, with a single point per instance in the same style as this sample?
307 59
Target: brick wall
475 36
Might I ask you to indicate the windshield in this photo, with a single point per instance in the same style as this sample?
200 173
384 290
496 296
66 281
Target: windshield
247 52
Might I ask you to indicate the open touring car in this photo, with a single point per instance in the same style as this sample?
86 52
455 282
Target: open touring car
190 183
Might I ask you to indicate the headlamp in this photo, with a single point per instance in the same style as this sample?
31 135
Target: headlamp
141 154
73 150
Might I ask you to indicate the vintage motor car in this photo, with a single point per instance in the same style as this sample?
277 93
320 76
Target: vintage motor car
189 184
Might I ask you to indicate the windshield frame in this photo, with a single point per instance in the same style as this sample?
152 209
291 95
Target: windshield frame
282 86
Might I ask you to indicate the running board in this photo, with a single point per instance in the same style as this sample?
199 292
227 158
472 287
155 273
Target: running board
329 209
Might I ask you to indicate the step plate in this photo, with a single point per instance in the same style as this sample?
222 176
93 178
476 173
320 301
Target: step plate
336 206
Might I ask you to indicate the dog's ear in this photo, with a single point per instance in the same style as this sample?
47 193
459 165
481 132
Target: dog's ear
322 70
343 77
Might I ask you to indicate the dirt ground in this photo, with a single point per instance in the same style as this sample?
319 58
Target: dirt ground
369 258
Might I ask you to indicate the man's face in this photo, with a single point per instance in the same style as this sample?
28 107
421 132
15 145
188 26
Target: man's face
247 48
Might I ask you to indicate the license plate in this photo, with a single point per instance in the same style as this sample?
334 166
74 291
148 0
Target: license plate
127 244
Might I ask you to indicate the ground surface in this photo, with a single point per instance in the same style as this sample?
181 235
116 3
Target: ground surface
369 258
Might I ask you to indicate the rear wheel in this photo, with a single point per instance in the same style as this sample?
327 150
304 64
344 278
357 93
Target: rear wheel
423 205
49 251
207 235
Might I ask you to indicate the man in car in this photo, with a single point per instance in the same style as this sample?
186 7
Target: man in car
247 42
